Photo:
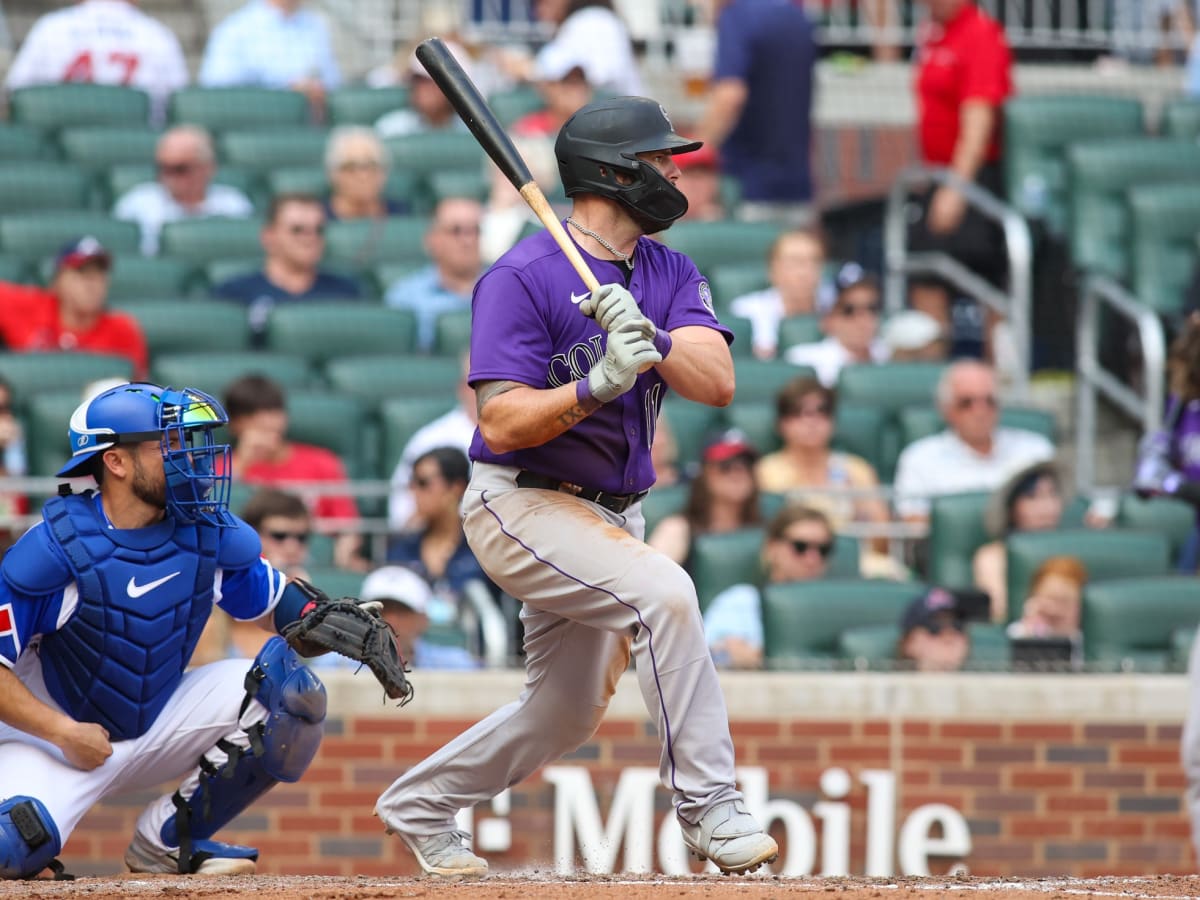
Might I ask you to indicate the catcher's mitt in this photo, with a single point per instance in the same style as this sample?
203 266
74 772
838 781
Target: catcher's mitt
354 629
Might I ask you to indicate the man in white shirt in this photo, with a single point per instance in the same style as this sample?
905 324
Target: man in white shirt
794 264
102 42
453 429
972 454
851 327
184 190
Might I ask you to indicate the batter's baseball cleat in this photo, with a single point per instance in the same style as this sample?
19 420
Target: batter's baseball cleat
208 858
731 838
445 855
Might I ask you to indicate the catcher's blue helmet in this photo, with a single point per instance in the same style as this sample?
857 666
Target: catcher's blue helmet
182 421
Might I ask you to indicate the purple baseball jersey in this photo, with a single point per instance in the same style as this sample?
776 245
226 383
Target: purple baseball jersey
525 328
1185 442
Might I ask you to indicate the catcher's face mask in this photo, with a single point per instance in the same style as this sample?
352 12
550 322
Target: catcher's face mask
192 458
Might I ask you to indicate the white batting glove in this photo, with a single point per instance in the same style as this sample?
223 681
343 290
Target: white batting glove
610 305
628 351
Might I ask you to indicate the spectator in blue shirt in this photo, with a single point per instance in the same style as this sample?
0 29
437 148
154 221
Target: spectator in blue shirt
275 44
760 105
294 241
452 243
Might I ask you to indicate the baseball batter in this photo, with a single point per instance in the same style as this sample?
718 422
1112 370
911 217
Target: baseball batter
101 606
553 512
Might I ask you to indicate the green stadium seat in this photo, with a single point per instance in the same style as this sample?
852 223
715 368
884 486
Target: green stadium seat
435 151
212 372
917 422
1164 222
800 330
890 386
41 187
860 430
1099 176
36 235
1107 553
722 560
335 422
742 329
336 582
361 105
731 280
712 244
190 326
219 271
386 274
202 241
761 380
15 270
757 419
148 278
690 424
1132 620
512 104
870 646
230 108
20 143
1163 515
47 446
363 244
310 180
1037 130
402 417
376 378
662 501
1181 119
50 107
803 620
459 183
97 148
31 374
452 335
956 531
320 331
266 151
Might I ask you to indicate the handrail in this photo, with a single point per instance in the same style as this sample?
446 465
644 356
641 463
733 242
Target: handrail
1014 305
492 624
1100 291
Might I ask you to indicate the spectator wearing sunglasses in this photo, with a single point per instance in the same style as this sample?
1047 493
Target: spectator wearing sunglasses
973 453
293 241
724 496
185 163
798 545
851 327
933 633
357 164
456 262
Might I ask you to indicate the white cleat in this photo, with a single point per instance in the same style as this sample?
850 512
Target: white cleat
445 855
731 838
143 859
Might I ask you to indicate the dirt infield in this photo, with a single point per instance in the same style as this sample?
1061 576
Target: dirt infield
634 887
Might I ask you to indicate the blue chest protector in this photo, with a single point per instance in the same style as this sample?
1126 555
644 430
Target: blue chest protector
144 597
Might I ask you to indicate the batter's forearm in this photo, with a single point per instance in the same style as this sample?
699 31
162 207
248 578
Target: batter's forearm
25 712
699 366
522 416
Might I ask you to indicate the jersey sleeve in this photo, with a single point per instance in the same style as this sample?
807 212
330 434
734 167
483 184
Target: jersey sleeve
249 592
25 616
692 302
985 68
509 338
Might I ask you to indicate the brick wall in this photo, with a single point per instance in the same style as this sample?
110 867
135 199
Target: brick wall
1042 793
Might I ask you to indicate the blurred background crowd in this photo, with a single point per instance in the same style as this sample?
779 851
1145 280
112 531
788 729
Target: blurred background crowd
956 242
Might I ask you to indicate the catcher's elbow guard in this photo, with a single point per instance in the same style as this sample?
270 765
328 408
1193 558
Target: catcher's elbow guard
298 598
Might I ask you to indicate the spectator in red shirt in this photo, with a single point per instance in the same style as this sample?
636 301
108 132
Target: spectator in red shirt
963 78
262 454
71 314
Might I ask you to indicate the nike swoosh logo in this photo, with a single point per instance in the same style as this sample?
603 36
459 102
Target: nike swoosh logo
135 590
578 300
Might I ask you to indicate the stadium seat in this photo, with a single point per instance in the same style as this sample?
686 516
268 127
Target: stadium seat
759 379
97 148
46 416
690 424
956 531
1181 119
190 326
362 105
31 374
1132 620
401 417
336 582
662 501
22 143
219 271
742 329
376 378
261 152
731 280
712 244
201 241
1037 130
363 244
1107 553
50 107
212 372
1099 176
148 278
799 330
230 108
15 270
452 334
757 419
434 151
42 187
1164 222
386 274
1163 515
459 183
890 386
860 430
335 422
36 235
320 331
803 620
310 180
723 560
512 104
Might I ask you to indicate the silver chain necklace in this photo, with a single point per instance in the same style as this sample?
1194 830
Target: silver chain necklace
626 258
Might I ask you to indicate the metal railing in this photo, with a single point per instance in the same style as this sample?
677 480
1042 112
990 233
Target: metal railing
1012 305
1093 380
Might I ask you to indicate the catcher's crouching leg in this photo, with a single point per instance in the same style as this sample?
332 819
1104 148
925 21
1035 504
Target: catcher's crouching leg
276 748
29 839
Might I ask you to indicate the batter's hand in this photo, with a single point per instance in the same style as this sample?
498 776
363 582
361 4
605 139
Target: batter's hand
85 745
628 352
611 305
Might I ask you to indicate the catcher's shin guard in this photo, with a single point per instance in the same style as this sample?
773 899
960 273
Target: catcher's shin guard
280 748
29 839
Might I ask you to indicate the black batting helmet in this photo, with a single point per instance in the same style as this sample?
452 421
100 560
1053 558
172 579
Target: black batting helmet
604 138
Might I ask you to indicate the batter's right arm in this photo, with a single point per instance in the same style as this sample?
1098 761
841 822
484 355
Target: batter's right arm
513 416
84 744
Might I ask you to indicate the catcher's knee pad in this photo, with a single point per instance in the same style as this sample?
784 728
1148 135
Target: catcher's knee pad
29 839
281 746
